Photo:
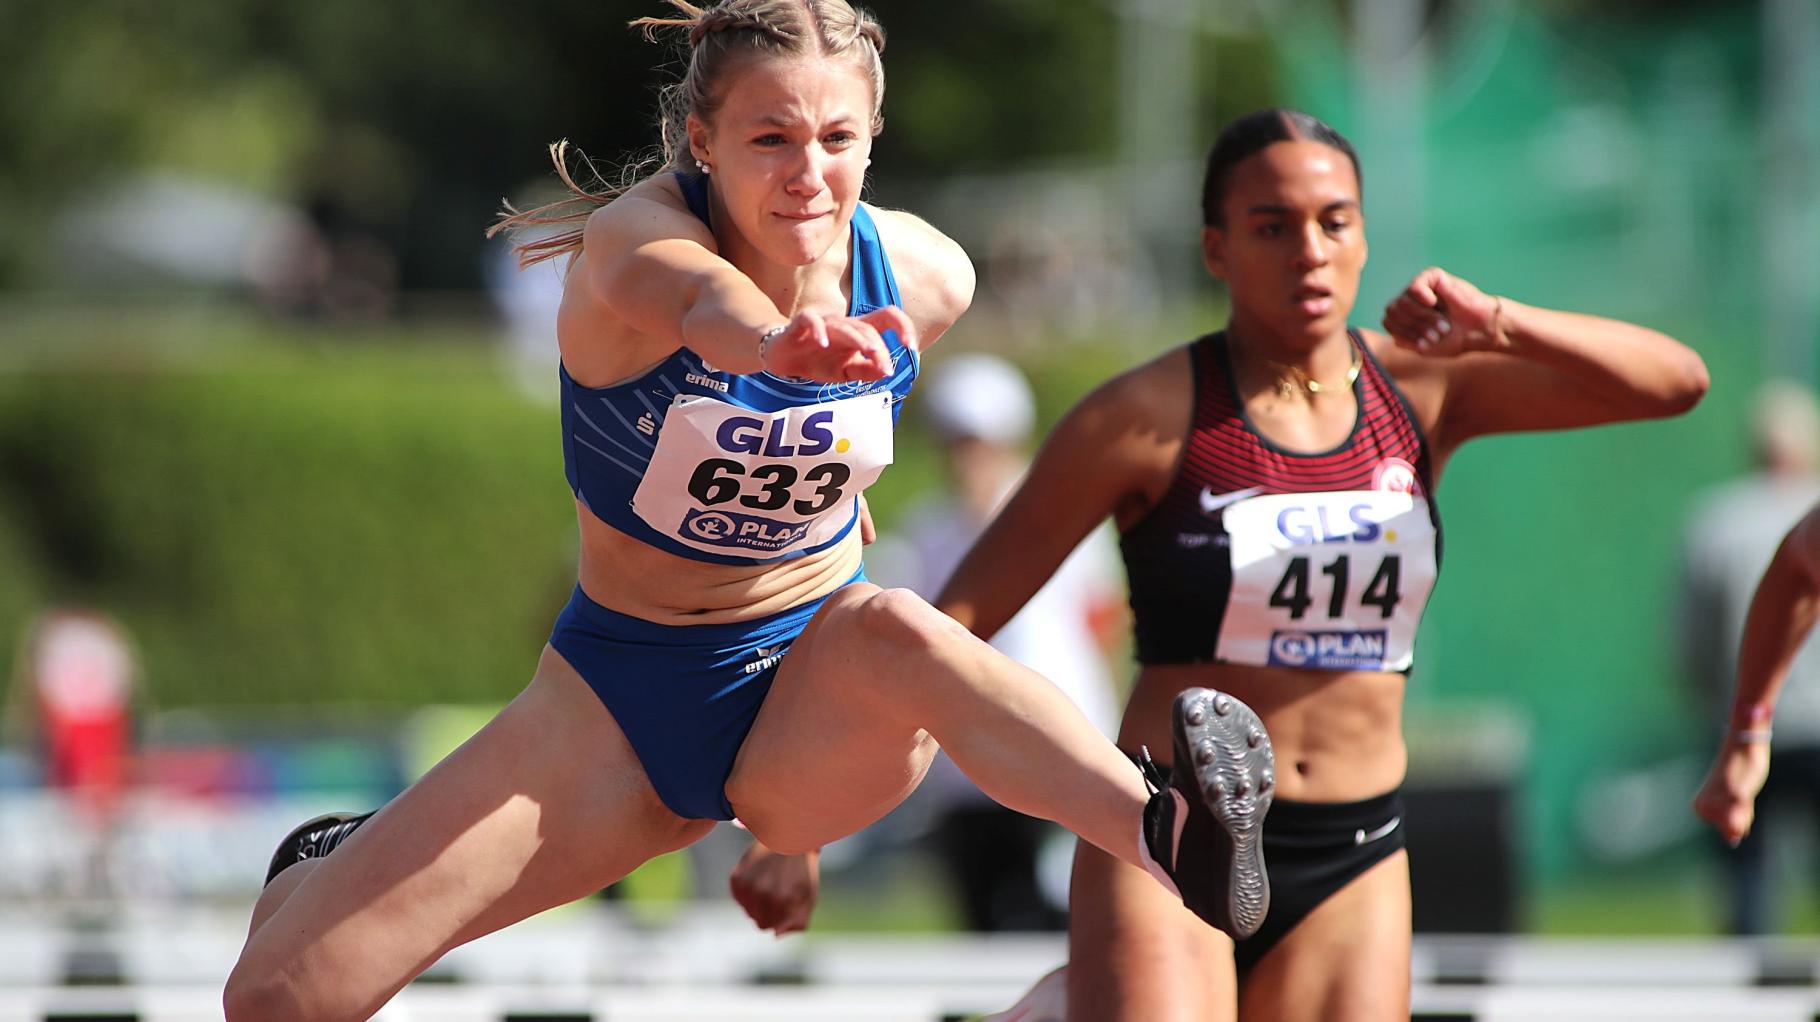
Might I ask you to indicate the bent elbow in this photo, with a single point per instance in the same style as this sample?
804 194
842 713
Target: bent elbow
1688 385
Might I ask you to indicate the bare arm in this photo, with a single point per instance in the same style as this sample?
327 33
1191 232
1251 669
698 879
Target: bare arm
1113 453
1782 614
655 267
1522 367
934 273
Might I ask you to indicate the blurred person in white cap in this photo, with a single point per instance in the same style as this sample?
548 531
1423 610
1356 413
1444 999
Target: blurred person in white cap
1733 532
1010 870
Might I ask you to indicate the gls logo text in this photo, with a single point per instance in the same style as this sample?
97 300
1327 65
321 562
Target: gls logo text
744 434
1302 526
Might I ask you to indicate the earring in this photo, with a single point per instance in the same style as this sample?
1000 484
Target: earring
705 169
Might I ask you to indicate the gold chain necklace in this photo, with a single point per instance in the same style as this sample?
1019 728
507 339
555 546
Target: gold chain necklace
1288 375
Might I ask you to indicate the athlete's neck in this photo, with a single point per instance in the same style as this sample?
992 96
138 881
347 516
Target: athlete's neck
1263 361
791 288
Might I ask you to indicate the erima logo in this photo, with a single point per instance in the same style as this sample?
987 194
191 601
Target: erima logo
768 656
706 381
646 424
1211 502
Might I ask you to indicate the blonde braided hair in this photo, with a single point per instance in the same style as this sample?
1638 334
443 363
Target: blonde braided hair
718 36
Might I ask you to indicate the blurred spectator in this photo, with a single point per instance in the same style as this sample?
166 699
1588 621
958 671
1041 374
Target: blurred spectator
74 689
528 300
1010 869
1731 534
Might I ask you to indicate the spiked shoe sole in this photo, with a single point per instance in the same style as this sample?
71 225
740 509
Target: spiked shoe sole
1223 760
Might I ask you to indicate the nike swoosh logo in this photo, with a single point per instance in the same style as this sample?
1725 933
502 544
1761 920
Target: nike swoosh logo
1365 837
1211 502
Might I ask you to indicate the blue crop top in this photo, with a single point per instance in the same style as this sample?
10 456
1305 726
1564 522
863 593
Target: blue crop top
738 469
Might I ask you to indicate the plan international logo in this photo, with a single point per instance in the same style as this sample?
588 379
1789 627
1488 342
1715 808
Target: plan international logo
749 532
1330 651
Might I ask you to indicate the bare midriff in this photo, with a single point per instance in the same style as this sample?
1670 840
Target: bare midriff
1338 735
633 577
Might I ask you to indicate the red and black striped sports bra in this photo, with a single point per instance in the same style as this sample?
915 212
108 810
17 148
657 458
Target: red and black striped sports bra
1266 556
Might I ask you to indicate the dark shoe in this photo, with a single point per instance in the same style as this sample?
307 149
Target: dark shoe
313 840
1205 827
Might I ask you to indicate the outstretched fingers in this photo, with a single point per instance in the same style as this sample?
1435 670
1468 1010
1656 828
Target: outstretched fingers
836 349
892 317
1413 321
861 350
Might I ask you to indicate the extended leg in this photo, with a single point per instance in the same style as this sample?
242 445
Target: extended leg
545 805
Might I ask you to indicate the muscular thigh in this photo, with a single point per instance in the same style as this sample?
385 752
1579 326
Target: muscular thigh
544 805
826 757
1136 955
1347 961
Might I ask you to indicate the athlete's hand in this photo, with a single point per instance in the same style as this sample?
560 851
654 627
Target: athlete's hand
837 349
1728 799
1439 314
777 891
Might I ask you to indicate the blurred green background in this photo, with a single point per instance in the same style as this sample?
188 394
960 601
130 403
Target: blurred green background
260 400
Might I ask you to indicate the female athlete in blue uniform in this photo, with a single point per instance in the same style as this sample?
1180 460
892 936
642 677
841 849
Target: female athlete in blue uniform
735 345
1273 486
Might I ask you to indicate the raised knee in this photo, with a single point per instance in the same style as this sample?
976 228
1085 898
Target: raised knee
899 617
254 995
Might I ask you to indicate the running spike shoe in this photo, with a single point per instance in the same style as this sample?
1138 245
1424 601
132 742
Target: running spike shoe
314 839
1204 824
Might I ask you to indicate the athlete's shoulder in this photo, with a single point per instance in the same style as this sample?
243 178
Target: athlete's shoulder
1127 434
1399 362
1422 380
650 210
934 274
1153 398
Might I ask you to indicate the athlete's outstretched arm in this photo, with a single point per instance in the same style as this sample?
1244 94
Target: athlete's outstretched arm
1782 614
657 268
1102 458
1522 367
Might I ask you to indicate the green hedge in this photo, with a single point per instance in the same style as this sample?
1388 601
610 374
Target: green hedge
375 524
347 528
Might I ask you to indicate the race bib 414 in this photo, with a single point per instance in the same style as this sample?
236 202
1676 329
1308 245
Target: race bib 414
1332 581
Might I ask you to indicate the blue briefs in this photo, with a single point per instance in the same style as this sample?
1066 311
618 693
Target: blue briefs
685 695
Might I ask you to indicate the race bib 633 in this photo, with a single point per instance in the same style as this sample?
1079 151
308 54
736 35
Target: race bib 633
730 480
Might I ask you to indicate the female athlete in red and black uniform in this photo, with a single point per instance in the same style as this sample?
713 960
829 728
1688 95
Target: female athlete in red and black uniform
1274 486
